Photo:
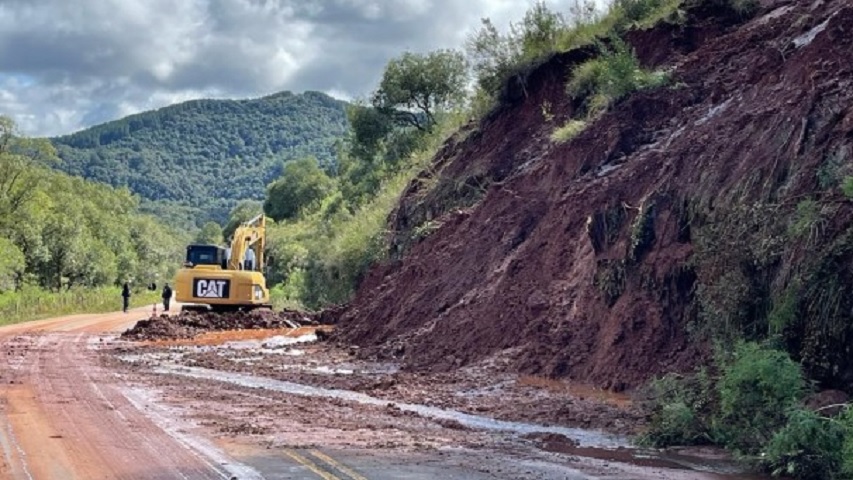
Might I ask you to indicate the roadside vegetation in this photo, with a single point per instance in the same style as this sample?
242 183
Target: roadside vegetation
61 236
33 303
753 404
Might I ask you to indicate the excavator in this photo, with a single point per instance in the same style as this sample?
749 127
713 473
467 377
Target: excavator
226 279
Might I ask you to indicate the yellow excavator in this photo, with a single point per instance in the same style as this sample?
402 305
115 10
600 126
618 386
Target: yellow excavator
226 279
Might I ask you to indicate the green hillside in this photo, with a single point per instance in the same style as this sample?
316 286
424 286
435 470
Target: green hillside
194 161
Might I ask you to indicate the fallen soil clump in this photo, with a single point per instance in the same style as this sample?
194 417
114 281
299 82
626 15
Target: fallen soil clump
192 324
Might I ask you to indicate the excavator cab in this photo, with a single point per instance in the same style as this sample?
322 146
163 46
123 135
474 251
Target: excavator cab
205 255
211 280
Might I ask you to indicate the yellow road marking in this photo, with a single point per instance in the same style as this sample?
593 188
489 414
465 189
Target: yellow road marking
343 468
310 465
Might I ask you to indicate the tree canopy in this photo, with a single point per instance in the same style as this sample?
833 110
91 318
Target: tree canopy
58 231
210 234
302 184
415 86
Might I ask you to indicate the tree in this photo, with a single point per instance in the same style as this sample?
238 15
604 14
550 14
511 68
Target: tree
496 57
210 233
12 265
302 184
369 127
241 213
19 177
415 87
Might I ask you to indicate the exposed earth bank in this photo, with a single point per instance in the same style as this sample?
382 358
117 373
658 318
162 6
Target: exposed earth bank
672 214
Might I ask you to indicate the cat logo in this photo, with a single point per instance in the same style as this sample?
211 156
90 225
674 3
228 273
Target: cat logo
204 288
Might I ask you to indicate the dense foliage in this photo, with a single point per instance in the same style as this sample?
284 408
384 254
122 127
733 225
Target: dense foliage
60 232
198 159
414 87
754 406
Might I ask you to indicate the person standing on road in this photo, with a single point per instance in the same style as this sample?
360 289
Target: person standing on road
167 297
125 295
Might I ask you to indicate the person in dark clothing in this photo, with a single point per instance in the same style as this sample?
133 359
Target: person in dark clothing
125 295
167 297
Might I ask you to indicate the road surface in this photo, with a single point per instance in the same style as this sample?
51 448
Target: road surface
67 414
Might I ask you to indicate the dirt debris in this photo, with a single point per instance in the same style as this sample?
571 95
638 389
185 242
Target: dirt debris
191 324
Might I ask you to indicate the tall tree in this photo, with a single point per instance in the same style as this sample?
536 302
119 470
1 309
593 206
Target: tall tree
303 184
241 213
210 233
415 87
19 178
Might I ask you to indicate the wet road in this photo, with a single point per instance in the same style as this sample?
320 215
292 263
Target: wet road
65 415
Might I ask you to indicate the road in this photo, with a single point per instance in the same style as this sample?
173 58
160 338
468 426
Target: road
65 417
67 414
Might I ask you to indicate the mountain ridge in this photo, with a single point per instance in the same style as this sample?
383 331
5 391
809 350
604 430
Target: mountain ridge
202 156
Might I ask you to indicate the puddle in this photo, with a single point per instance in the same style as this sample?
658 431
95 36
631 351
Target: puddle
713 112
808 37
271 343
585 438
605 169
698 462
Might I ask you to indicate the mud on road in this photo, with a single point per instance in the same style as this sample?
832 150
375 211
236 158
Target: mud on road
78 401
281 390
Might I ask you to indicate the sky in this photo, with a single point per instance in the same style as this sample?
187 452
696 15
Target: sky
69 64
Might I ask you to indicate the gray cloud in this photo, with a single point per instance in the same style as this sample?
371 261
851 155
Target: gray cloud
67 65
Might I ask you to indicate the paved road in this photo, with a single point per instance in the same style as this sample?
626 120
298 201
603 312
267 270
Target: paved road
65 415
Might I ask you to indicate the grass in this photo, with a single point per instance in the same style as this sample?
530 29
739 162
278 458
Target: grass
570 130
32 303
605 80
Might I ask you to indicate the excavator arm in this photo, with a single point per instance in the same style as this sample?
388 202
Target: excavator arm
250 235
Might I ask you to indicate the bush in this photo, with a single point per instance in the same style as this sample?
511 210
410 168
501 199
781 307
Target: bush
679 406
605 80
757 388
644 13
809 447
675 424
847 186
570 130
846 420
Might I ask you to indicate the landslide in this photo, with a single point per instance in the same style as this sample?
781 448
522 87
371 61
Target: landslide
190 324
711 205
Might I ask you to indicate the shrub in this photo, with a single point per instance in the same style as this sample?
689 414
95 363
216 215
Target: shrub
846 420
757 388
809 447
570 130
679 406
744 8
675 424
643 13
605 80
847 186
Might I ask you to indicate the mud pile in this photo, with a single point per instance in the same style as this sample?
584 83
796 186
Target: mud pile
579 259
191 324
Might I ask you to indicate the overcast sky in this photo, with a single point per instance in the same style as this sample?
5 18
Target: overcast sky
70 64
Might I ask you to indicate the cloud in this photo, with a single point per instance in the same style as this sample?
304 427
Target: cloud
68 65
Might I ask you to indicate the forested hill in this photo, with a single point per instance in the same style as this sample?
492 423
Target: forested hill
197 159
